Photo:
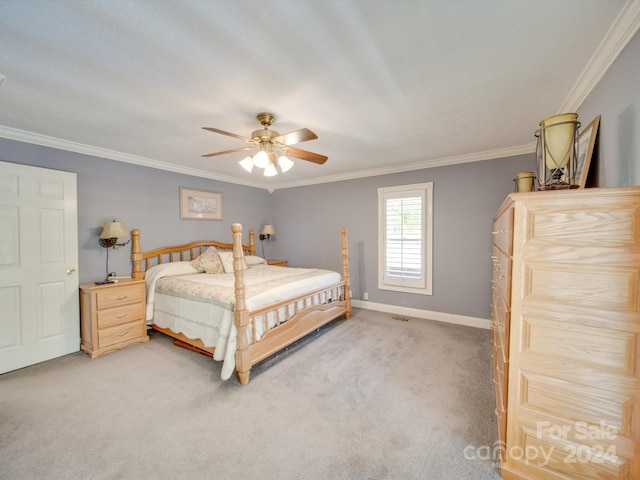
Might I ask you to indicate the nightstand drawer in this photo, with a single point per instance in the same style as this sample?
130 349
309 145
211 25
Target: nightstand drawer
120 333
120 295
116 316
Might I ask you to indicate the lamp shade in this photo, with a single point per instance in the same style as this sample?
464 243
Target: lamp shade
261 159
268 230
114 230
247 164
270 171
285 163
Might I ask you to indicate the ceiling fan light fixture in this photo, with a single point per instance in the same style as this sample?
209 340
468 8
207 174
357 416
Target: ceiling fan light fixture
247 164
261 159
270 171
285 163
273 151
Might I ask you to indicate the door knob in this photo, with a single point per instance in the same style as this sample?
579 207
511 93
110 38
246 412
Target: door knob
71 271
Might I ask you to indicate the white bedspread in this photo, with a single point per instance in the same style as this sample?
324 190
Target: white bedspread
200 306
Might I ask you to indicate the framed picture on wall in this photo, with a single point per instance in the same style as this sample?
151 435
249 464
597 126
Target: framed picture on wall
200 204
586 142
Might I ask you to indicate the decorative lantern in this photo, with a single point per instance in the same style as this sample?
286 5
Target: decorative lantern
524 181
556 152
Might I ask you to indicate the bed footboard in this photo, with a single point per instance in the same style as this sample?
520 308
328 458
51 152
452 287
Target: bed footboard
287 321
290 321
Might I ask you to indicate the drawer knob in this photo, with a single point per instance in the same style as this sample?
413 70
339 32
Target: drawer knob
122 315
122 297
123 333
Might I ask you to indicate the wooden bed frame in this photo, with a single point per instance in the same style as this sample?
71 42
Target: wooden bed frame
301 322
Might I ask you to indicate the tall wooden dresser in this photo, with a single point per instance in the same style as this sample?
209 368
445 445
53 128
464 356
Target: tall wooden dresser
566 334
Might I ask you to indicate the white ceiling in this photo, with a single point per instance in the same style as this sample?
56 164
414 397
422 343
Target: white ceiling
386 85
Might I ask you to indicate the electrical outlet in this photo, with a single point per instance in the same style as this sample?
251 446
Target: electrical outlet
365 296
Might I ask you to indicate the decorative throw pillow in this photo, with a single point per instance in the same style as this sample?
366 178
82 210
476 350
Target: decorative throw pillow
209 261
227 261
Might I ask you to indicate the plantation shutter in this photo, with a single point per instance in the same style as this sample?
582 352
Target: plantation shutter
403 238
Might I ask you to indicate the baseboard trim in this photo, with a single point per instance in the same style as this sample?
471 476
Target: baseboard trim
426 314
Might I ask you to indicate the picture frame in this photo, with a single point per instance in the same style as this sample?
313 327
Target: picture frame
585 144
200 204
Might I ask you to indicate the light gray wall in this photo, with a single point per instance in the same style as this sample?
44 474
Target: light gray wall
617 99
142 198
466 197
308 219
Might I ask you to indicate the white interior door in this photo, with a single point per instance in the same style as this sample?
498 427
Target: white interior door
39 317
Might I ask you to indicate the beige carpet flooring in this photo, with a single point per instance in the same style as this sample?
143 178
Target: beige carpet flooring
368 398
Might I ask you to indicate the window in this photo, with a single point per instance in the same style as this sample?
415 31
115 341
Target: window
405 237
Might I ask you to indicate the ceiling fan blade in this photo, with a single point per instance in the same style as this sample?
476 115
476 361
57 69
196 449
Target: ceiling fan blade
222 132
304 155
240 149
297 136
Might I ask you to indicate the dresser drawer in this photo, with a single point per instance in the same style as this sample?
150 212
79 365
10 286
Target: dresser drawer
501 316
115 316
502 274
502 228
500 378
120 295
120 333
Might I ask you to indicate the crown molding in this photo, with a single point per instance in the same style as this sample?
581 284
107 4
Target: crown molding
69 146
622 30
407 167
60 144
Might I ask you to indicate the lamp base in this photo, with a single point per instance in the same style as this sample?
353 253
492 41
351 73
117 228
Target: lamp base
110 279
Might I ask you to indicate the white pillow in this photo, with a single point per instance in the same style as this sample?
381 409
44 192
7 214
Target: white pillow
227 261
254 260
169 269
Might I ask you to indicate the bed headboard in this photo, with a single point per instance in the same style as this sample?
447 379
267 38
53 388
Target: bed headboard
143 261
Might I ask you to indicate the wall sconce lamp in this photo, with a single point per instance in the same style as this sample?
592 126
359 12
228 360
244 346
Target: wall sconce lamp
265 234
111 231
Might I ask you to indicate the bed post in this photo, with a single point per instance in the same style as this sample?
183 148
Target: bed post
136 255
241 314
345 273
252 242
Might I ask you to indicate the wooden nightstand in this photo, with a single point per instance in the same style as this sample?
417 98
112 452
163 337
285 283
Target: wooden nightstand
277 263
112 316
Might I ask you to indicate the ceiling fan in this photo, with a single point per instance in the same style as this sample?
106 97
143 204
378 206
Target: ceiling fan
273 148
